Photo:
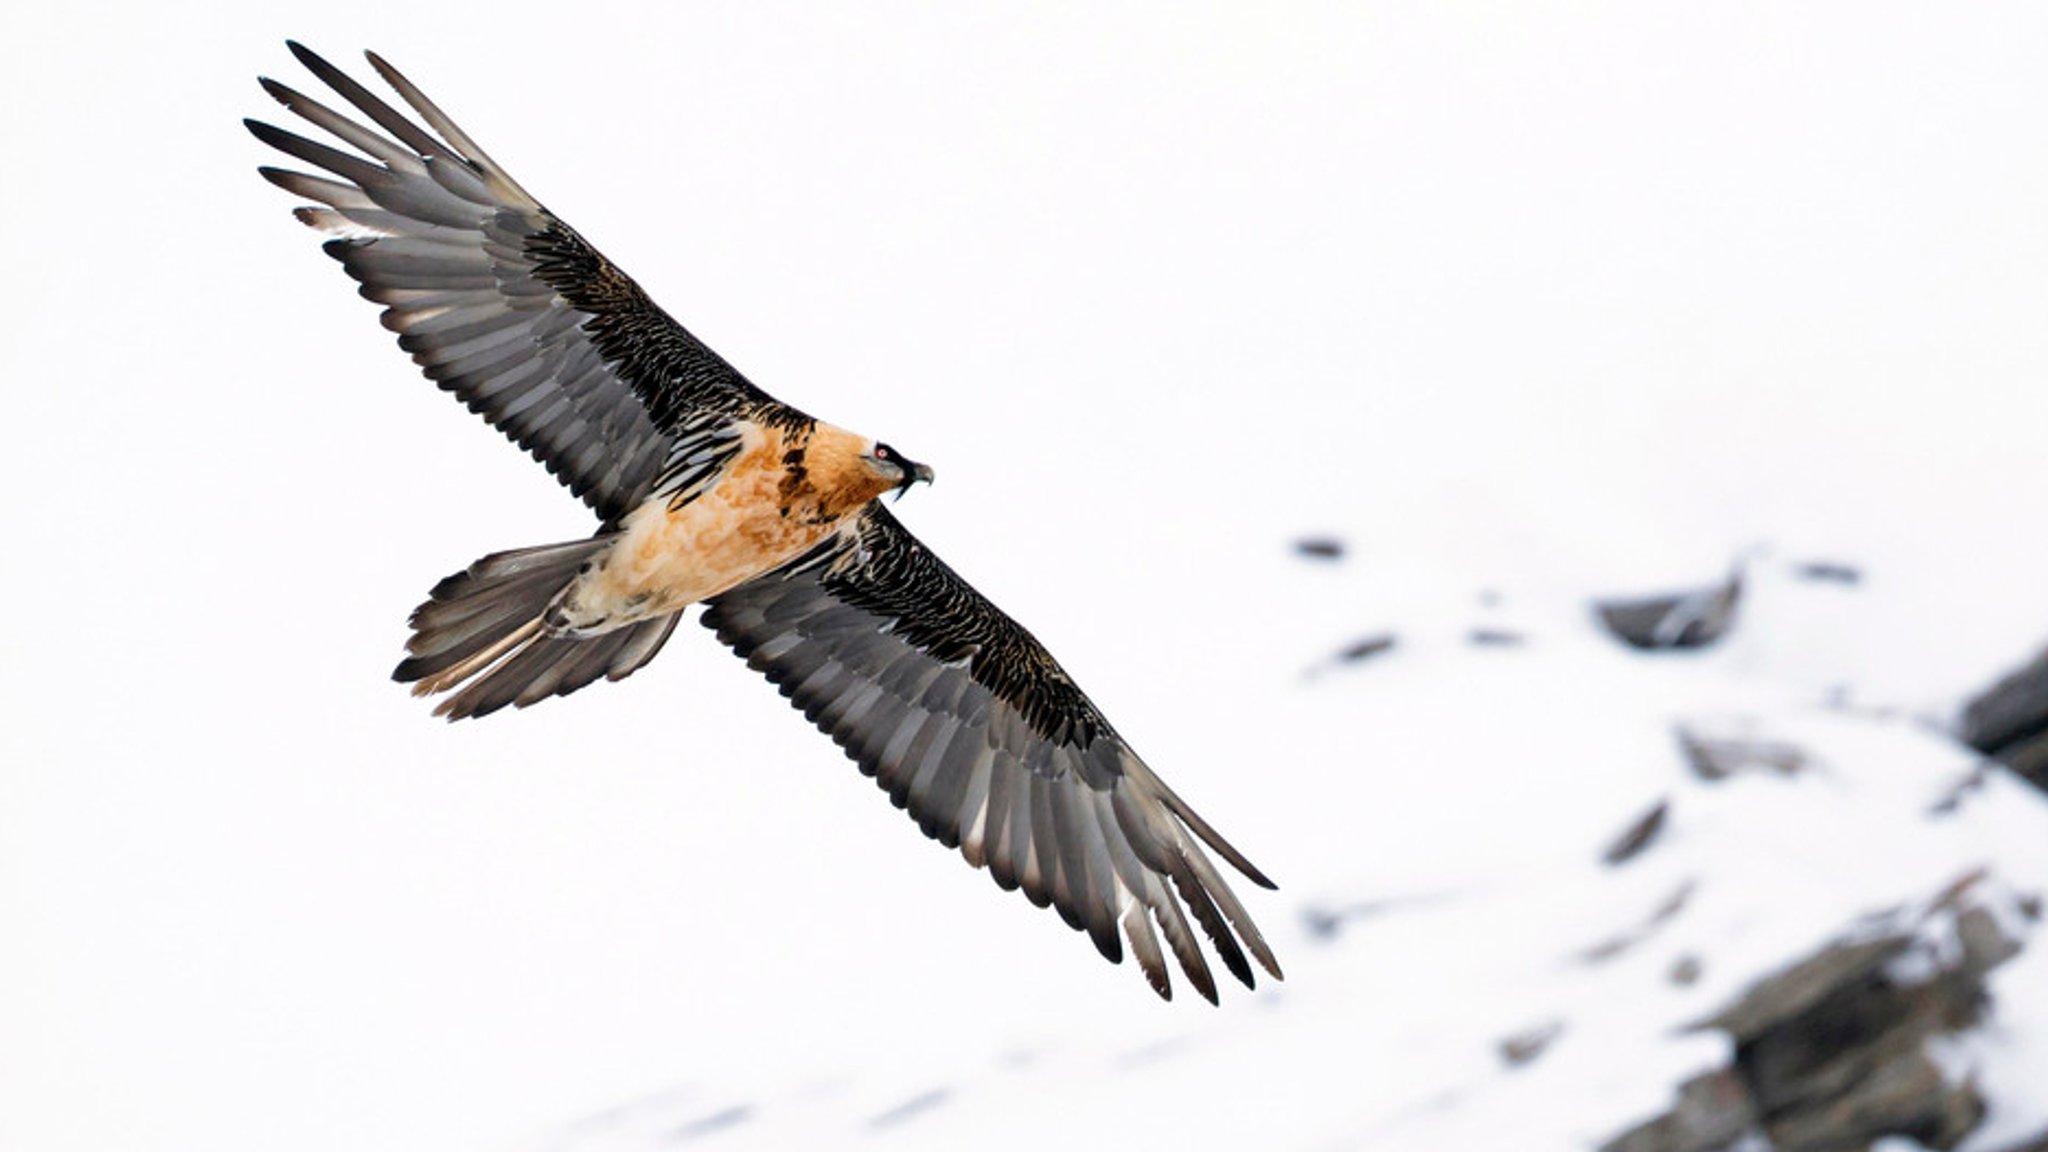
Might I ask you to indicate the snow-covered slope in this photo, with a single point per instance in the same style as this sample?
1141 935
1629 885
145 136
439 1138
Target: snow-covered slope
1469 965
1528 305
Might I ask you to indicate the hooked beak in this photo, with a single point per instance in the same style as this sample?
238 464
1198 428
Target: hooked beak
912 473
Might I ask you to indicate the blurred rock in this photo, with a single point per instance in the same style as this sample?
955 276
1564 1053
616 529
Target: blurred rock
1659 916
1526 1045
1638 836
1830 572
1319 548
1494 638
1713 1113
1953 797
2009 721
1685 971
1832 1051
1715 757
1366 648
1325 924
1691 619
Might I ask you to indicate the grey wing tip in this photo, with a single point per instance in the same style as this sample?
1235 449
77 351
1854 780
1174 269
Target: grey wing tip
311 59
269 133
384 69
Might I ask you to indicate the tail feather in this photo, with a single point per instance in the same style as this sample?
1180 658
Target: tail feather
482 631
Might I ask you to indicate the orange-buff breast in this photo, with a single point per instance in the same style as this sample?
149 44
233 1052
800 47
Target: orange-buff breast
762 513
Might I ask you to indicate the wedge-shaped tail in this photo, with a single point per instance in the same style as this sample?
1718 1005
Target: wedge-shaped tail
482 631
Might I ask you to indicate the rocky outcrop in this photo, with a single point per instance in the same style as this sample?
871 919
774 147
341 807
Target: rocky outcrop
1832 1051
1715 756
2009 721
1691 619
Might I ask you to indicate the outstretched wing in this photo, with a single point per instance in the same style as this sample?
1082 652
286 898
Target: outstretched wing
969 723
497 300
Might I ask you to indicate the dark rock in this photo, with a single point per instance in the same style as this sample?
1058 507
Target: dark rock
1715 758
1713 1113
1794 991
1659 916
1831 1052
1830 572
2029 758
1985 944
1685 971
1967 785
1526 1045
1329 923
1905 1095
2009 721
1640 834
1494 638
1319 548
1366 648
1691 619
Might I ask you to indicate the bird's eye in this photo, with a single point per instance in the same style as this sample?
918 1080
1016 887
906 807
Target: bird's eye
884 452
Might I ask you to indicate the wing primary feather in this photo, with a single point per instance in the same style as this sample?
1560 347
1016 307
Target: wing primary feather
997 835
1138 883
972 815
1145 946
1213 925
1045 839
1226 900
460 180
1090 879
439 121
367 101
1180 937
1104 885
355 168
940 797
1196 824
342 128
333 193
1021 840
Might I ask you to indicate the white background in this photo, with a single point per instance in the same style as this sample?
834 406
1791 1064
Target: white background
1563 298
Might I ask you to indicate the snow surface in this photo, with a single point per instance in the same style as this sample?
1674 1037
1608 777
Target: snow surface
1542 303
1486 913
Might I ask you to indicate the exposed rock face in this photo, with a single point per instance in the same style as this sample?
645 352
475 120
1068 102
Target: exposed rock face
1717 756
1713 1112
2010 721
1831 1052
1691 619
1639 835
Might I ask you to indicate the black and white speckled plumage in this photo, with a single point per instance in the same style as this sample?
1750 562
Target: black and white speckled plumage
952 706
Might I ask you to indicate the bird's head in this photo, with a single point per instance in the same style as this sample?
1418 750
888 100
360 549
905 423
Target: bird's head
899 469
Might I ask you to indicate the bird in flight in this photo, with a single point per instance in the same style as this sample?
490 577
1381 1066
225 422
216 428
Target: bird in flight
710 491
